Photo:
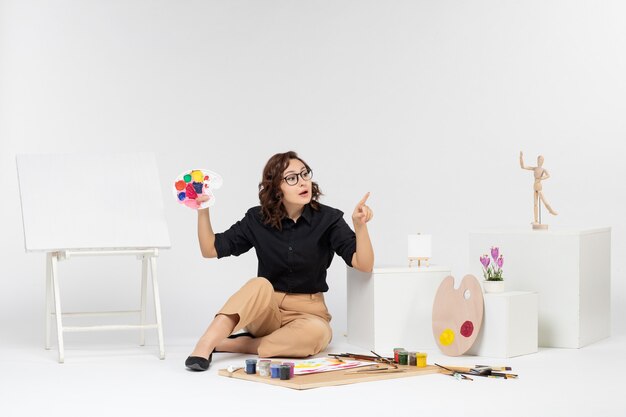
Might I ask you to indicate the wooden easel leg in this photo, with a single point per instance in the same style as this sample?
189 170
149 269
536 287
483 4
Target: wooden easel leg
48 298
144 286
57 305
157 305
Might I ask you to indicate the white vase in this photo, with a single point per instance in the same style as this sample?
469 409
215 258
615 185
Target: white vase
493 286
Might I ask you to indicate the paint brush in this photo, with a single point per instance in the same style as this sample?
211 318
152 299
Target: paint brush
495 368
362 357
455 374
484 371
504 375
377 370
387 361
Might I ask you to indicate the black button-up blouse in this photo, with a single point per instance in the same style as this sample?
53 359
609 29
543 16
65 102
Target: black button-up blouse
296 258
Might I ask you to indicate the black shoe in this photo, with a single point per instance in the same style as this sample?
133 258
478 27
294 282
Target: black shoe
234 336
197 363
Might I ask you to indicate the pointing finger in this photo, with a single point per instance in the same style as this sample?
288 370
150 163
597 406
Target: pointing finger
364 199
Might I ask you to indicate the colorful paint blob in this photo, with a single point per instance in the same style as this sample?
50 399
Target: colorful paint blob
180 185
191 192
195 183
467 328
446 337
197 176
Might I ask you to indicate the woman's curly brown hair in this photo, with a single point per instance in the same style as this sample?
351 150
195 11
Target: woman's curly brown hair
270 194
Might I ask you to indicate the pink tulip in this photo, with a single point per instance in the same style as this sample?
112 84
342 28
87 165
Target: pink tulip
485 260
500 261
495 252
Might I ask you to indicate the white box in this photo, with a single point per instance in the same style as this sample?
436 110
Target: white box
392 307
571 271
509 325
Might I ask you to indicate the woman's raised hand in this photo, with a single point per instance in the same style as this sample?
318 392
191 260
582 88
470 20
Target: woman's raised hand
362 213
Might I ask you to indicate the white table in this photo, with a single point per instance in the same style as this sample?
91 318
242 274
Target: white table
569 269
392 307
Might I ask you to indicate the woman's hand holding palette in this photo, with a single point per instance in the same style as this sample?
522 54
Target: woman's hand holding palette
195 183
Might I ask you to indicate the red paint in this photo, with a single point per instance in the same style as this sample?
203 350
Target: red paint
206 177
180 185
191 193
467 328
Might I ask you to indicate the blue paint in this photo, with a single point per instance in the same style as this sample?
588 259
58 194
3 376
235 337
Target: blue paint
251 366
181 196
275 370
198 187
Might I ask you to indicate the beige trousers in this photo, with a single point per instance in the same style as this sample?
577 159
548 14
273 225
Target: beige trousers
289 325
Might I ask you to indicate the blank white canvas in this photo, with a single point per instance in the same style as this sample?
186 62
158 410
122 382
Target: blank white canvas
88 201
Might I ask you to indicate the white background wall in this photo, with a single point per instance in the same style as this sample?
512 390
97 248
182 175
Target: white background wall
425 104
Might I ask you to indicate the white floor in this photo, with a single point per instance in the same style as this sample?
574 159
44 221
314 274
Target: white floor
125 380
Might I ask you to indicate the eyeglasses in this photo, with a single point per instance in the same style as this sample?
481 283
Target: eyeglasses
292 179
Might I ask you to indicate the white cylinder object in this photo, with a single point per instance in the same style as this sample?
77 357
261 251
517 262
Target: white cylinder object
419 246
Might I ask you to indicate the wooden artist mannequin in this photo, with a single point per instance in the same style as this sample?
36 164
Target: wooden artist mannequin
540 174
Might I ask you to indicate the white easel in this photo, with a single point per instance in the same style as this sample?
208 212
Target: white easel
53 296
135 228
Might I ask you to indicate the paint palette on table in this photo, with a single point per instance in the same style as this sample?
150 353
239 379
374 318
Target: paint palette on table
196 182
457 315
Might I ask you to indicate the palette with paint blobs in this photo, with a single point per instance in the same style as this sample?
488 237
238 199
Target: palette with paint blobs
191 184
457 315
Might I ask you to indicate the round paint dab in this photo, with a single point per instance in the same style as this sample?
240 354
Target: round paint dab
467 328
187 178
446 337
197 176
180 185
181 196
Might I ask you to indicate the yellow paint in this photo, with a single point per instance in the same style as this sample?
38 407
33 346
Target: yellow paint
421 359
197 176
446 337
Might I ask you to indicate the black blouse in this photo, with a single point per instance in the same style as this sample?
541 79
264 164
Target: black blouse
296 258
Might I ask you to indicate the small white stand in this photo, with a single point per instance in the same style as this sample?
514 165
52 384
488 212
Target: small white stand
571 272
53 296
393 307
509 325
